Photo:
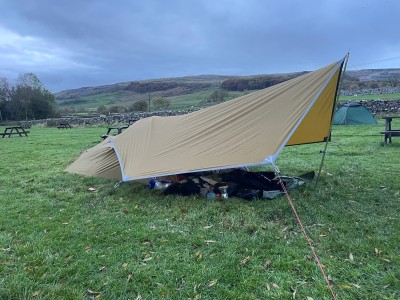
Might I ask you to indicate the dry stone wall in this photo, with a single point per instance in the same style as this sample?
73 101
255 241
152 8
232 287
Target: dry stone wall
377 107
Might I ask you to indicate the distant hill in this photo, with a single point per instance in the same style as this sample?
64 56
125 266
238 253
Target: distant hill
374 74
192 90
151 85
371 79
177 90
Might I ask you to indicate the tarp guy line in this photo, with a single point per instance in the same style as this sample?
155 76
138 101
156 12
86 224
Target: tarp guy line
304 232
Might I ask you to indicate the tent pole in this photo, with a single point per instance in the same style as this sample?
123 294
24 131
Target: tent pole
334 107
322 160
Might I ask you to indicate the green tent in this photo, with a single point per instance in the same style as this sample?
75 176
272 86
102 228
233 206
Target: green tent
353 114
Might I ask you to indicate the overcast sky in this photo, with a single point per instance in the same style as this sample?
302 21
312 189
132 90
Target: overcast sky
76 43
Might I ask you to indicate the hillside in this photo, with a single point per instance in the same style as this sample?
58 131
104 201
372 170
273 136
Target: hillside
179 91
189 91
374 74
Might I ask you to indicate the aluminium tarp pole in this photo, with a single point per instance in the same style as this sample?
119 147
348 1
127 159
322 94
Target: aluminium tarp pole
334 107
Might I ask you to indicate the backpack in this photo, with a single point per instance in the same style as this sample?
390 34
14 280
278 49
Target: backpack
186 188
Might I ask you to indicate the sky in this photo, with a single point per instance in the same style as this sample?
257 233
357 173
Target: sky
76 43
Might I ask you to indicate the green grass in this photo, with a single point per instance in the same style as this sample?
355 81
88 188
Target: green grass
197 97
92 102
190 99
370 97
127 98
58 240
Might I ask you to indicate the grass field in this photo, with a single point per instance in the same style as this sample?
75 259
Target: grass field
92 102
58 240
197 97
127 98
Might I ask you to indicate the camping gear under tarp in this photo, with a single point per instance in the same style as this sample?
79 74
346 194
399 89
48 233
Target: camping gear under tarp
353 114
238 183
247 131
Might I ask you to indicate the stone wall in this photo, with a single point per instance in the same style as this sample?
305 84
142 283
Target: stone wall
377 107
362 92
106 120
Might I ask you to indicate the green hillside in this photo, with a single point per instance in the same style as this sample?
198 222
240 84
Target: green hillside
179 91
184 92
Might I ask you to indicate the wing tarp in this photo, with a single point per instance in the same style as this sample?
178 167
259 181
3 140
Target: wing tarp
246 131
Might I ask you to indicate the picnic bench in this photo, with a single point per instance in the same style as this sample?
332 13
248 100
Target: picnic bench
9 131
389 132
64 125
119 129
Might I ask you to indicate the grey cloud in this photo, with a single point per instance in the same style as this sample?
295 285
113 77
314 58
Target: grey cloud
98 42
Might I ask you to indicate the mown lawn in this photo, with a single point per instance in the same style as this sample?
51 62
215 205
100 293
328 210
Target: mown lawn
58 240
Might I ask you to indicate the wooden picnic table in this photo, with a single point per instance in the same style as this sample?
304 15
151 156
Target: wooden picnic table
9 131
389 132
119 129
64 125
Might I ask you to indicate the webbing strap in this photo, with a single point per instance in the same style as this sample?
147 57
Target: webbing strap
304 232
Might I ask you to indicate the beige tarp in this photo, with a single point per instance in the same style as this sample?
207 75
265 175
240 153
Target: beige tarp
249 130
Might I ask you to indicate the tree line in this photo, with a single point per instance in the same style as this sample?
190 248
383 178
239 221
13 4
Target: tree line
28 99
353 83
154 86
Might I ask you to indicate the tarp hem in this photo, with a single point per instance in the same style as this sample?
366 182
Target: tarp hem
269 160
